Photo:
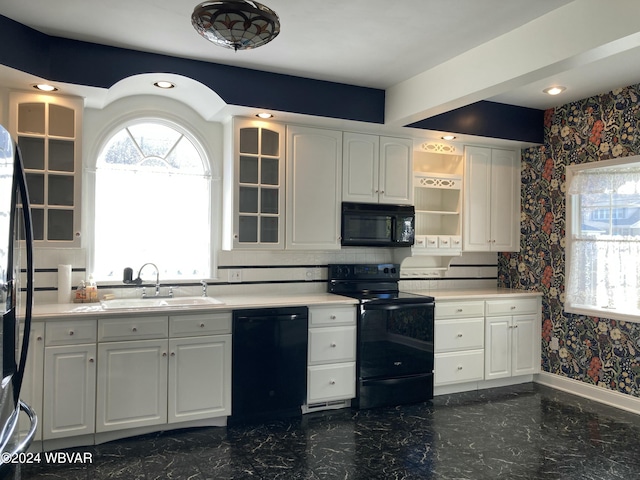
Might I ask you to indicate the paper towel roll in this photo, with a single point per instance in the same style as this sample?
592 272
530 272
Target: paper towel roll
64 283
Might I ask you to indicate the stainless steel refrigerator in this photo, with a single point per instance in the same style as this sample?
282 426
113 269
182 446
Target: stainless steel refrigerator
16 298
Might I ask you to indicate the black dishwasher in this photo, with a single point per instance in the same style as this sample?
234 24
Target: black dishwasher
269 363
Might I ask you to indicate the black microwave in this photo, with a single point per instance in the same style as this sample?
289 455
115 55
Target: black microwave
377 225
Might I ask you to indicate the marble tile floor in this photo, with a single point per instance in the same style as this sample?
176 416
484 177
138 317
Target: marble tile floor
521 432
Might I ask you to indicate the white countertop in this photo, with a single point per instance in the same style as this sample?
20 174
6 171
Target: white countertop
476 293
229 302
236 302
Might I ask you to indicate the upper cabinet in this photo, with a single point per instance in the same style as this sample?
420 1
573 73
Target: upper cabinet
48 131
254 185
491 200
377 169
314 173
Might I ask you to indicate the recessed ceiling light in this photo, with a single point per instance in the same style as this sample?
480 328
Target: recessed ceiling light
164 84
264 115
448 137
554 90
45 87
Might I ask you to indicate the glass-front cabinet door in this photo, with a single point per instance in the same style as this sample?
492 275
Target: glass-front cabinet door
259 193
47 129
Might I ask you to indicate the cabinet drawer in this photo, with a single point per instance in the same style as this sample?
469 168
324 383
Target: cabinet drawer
332 316
458 367
512 307
459 309
70 333
463 334
332 344
137 328
200 324
331 382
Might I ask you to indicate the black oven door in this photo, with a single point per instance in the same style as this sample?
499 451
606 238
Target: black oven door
395 354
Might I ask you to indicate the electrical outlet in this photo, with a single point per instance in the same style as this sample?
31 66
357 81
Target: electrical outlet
235 275
309 275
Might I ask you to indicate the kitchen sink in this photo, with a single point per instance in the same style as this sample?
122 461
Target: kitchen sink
152 302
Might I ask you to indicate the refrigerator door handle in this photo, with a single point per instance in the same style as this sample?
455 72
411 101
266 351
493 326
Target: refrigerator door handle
21 181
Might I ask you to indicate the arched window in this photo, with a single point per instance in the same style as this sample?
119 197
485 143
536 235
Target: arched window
152 203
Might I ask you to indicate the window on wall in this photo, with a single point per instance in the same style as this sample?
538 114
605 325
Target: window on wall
152 203
603 239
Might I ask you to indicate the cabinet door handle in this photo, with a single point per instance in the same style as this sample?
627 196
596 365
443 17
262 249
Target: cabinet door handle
459 367
515 326
332 317
39 338
134 329
202 325
71 332
173 354
513 307
459 335
459 310
332 382
164 354
333 345
91 360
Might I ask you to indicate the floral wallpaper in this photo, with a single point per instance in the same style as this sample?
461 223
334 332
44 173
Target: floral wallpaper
594 350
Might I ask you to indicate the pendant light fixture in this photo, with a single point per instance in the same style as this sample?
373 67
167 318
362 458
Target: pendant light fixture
236 24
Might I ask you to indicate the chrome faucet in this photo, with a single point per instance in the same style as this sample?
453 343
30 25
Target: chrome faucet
139 280
128 274
204 287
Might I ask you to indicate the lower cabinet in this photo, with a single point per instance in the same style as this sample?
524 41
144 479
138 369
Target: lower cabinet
331 368
132 384
459 342
69 379
199 378
512 338
92 376
482 340
184 377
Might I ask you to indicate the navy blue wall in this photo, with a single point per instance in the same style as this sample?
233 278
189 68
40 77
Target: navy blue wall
490 119
81 63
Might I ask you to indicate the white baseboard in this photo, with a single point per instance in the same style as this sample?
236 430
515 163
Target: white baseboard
592 392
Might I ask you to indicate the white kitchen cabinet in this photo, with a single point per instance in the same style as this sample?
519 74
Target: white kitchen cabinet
377 169
512 338
314 179
458 342
331 368
69 391
253 189
132 372
132 384
199 384
69 379
491 200
48 129
32 383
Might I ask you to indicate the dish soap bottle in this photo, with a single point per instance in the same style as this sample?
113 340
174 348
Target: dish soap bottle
92 290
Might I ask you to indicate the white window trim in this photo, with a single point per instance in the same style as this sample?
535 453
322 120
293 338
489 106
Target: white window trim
112 125
572 224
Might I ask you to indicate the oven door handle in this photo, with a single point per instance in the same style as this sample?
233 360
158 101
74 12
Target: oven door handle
395 306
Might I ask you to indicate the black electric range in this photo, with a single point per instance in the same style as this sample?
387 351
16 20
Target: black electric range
394 359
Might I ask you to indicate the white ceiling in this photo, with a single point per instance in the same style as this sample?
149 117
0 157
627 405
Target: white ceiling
385 45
